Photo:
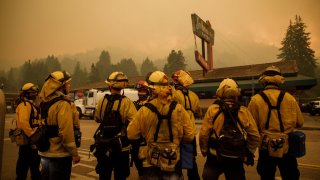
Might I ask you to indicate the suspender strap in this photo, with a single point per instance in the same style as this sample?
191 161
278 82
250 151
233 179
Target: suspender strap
277 107
280 98
186 96
32 116
161 117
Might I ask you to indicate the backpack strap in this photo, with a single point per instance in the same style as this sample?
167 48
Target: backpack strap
111 99
277 107
52 130
32 116
185 92
161 117
226 111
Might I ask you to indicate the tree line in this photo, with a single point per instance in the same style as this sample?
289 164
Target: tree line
36 71
295 46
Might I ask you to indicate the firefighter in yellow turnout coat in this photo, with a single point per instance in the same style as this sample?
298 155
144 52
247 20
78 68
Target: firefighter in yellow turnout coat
112 149
164 125
276 127
57 160
216 164
190 101
27 119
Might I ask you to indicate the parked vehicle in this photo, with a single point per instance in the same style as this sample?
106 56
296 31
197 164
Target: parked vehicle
314 108
86 105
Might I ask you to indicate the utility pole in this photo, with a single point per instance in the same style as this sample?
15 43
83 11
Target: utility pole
2 123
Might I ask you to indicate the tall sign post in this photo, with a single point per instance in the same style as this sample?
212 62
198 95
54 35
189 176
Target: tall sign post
204 31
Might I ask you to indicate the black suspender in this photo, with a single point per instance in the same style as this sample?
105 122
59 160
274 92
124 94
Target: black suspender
277 107
161 117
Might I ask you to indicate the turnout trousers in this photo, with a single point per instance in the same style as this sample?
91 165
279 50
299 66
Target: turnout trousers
232 169
117 162
56 168
287 165
28 159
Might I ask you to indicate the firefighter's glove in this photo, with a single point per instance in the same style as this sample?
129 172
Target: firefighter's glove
249 160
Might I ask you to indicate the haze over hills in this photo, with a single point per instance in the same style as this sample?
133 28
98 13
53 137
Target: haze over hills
223 56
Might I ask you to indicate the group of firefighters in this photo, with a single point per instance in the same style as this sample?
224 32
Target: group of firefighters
158 127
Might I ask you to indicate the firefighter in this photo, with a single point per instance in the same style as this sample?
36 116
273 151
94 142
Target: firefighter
282 120
190 101
143 93
164 124
27 120
214 121
113 112
57 161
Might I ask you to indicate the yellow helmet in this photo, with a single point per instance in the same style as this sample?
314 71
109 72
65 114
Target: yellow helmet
271 75
61 77
54 82
182 77
117 80
228 89
29 87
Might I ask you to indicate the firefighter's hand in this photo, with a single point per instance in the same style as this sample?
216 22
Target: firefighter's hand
249 160
76 159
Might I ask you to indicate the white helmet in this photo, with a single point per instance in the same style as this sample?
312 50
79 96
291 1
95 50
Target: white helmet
228 89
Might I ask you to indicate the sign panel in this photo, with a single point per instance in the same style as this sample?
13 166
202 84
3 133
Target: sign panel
202 62
202 29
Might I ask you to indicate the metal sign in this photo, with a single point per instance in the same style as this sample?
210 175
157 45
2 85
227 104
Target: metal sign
202 29
201 61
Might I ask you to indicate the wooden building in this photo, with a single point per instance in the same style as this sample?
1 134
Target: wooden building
247 76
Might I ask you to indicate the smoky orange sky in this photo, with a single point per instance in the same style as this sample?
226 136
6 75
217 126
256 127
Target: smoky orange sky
33 29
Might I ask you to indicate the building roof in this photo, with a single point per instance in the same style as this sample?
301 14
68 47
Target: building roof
288 68
246 76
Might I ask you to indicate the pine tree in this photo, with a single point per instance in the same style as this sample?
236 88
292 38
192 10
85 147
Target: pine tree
103 66
128 67
175 62
79 76
94 74
147 66
296 46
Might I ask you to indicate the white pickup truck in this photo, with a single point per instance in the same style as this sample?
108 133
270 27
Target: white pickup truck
314 108
86 105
